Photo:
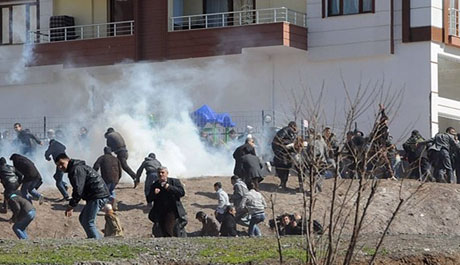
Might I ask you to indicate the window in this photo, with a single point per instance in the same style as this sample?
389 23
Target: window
16 21
349 7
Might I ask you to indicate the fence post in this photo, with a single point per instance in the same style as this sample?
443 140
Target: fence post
44 126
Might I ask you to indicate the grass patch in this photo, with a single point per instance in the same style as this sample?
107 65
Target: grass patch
245 250
30 253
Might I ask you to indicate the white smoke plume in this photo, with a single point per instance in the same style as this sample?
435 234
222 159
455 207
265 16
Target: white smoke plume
127 103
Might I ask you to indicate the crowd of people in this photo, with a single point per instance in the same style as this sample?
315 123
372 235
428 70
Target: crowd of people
96 185
301 154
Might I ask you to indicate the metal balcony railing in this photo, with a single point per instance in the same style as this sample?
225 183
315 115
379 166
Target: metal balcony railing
82 32
453 22
238 18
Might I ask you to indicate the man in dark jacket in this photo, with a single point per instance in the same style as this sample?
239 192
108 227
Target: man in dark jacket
247 148
88 185
23 214
110 171
56 148
116 142
281 144
251 169
228 226
441 146
151 166
26 140
11 180
167 210
32 179
416 156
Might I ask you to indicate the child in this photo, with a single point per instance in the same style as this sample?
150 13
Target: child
112 223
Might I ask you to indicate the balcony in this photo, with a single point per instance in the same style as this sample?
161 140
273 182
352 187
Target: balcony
84 45
454 31
83 32
238 18
230 32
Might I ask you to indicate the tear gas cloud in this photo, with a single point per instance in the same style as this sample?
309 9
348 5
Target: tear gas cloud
127 104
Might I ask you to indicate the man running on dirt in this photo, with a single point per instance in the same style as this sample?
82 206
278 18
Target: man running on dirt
116 142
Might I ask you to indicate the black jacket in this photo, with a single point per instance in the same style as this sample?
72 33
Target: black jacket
10 178
116 142
27 139
87 184
55 148
26 167
251 168
167 200
150 165
282 138
228 226
238 154
110 168
19 206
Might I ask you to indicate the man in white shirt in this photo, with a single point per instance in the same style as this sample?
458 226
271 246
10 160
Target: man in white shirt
223 201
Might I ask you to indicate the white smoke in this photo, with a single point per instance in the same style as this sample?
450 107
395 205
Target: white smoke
17 73
127 104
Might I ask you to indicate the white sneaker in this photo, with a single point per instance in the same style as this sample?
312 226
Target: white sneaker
269 166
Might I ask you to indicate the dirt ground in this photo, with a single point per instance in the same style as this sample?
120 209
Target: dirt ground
434 210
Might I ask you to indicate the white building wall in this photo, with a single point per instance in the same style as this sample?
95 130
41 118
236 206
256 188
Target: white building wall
421 11
351 36
244 83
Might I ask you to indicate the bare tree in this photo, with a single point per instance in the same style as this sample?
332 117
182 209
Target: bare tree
365 160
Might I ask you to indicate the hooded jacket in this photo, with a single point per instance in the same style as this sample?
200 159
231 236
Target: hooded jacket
87 184
254 202
55 148
150 165
26 167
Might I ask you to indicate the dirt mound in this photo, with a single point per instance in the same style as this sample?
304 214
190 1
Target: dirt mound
433 210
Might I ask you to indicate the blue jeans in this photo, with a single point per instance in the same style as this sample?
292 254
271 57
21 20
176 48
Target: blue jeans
111 187
28 190
20 226
254 230
60 184
88 215
149 180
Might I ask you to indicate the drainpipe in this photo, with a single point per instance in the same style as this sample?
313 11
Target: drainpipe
392 26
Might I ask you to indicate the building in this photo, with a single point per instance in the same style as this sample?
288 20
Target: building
240 55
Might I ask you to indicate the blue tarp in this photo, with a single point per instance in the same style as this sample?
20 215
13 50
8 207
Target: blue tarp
205 115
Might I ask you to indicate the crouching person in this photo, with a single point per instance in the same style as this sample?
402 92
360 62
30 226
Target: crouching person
167 213
88 185
112 223
210 226
23 214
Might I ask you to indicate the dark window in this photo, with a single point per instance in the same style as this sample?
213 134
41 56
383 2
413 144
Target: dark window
349 7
